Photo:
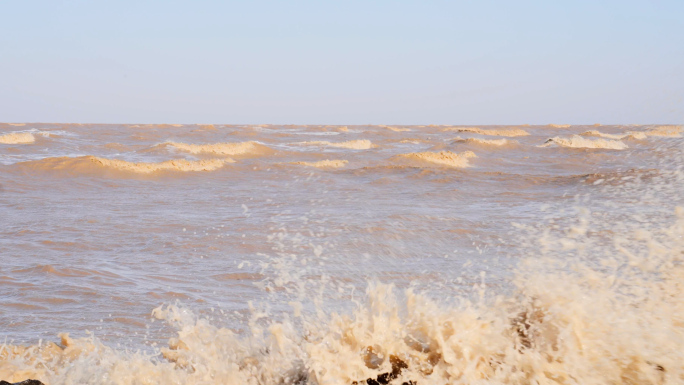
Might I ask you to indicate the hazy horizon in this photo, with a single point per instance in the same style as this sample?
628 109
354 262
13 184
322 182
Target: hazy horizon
456 124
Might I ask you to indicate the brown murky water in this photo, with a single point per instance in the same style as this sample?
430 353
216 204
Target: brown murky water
314 254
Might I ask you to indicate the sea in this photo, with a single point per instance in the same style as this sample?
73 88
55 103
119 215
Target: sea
329 254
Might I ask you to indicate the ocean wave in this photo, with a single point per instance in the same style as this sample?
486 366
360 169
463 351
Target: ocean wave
395 129
89 164
337 163
636 135
575 315
314 133
577 141
229 149
361 144
617 320
444 158
17 138
66 271
487 142
510 132
665 131
414 141
560 125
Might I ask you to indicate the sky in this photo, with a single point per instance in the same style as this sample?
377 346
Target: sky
342 62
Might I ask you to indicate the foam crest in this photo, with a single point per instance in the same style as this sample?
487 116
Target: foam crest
361 144
510 132
229 149
444 158
577 141
337 163
17 138
89 163
560 125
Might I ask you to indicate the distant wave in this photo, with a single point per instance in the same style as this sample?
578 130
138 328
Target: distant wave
324 163
17 138
84 164
511 132
414 141
362 144
444 158
577 141
628 135
665 131
154 126
560 125
488 142
232 149
395 129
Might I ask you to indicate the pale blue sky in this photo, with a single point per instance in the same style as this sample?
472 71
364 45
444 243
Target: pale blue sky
342 62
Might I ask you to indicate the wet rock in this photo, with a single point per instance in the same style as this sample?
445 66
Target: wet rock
385 378
25 382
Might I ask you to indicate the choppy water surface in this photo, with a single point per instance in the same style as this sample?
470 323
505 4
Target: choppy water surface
202 254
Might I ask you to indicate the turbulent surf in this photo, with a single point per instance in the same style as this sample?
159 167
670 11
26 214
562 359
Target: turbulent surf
228 254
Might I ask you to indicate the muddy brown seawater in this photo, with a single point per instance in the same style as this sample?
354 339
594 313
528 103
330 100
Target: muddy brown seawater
266 254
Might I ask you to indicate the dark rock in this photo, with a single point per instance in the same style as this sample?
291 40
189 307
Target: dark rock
385 378
25 382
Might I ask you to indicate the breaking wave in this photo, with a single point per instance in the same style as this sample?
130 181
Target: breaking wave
665 131
337 163
17 138
487 142
361 144
444 158
415 141
395 129
510 132
229 149
636 135
90 164
614 317
577 141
